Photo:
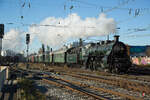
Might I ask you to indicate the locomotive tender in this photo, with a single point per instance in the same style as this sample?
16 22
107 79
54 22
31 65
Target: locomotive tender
109 55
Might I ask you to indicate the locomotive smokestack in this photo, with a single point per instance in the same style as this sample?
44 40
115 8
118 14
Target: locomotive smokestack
116 38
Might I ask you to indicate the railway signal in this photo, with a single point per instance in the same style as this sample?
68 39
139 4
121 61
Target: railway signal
1 30
27 38
1 36
27 42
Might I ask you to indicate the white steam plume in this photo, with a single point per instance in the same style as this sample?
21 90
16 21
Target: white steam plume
56 31
13 40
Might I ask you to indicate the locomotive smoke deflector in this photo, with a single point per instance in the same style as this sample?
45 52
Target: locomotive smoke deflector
116 38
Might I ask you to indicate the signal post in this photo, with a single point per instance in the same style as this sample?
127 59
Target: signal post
1 37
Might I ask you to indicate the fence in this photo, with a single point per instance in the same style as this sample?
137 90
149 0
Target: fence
141 60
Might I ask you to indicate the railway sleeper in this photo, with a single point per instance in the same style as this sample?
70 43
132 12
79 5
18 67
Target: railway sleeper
122 84
107 91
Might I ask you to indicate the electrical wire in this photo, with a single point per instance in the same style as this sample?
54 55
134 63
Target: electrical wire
106 7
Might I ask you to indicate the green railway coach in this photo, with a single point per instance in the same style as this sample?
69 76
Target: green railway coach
72 58
47 58
40 58
59 56
36 59
51 58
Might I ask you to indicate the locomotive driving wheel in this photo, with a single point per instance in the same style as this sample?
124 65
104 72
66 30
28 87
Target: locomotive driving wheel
110 68
116 69
94 63
91 63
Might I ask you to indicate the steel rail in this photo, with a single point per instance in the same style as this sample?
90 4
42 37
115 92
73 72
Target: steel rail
73 89
101 89
134 86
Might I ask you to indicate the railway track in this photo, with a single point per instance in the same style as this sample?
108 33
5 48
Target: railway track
132 77
136 77
134 86
74 88
123 83
100 94
143 79
129 85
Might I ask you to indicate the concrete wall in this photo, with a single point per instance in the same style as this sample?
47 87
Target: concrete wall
3 75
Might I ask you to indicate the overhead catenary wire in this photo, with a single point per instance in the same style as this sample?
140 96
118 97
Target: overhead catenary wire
106 7
141 13
135 30
28 4
138 13
133 12
136 36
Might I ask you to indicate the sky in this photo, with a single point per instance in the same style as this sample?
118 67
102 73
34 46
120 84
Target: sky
59 22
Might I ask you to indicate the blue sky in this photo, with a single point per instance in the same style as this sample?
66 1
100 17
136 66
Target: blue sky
12 10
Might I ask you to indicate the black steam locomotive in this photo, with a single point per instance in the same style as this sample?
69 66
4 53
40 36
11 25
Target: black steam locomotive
108 55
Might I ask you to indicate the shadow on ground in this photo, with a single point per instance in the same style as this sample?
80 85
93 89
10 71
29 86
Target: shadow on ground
9 90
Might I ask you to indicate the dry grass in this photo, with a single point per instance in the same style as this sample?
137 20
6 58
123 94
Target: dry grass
29 92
